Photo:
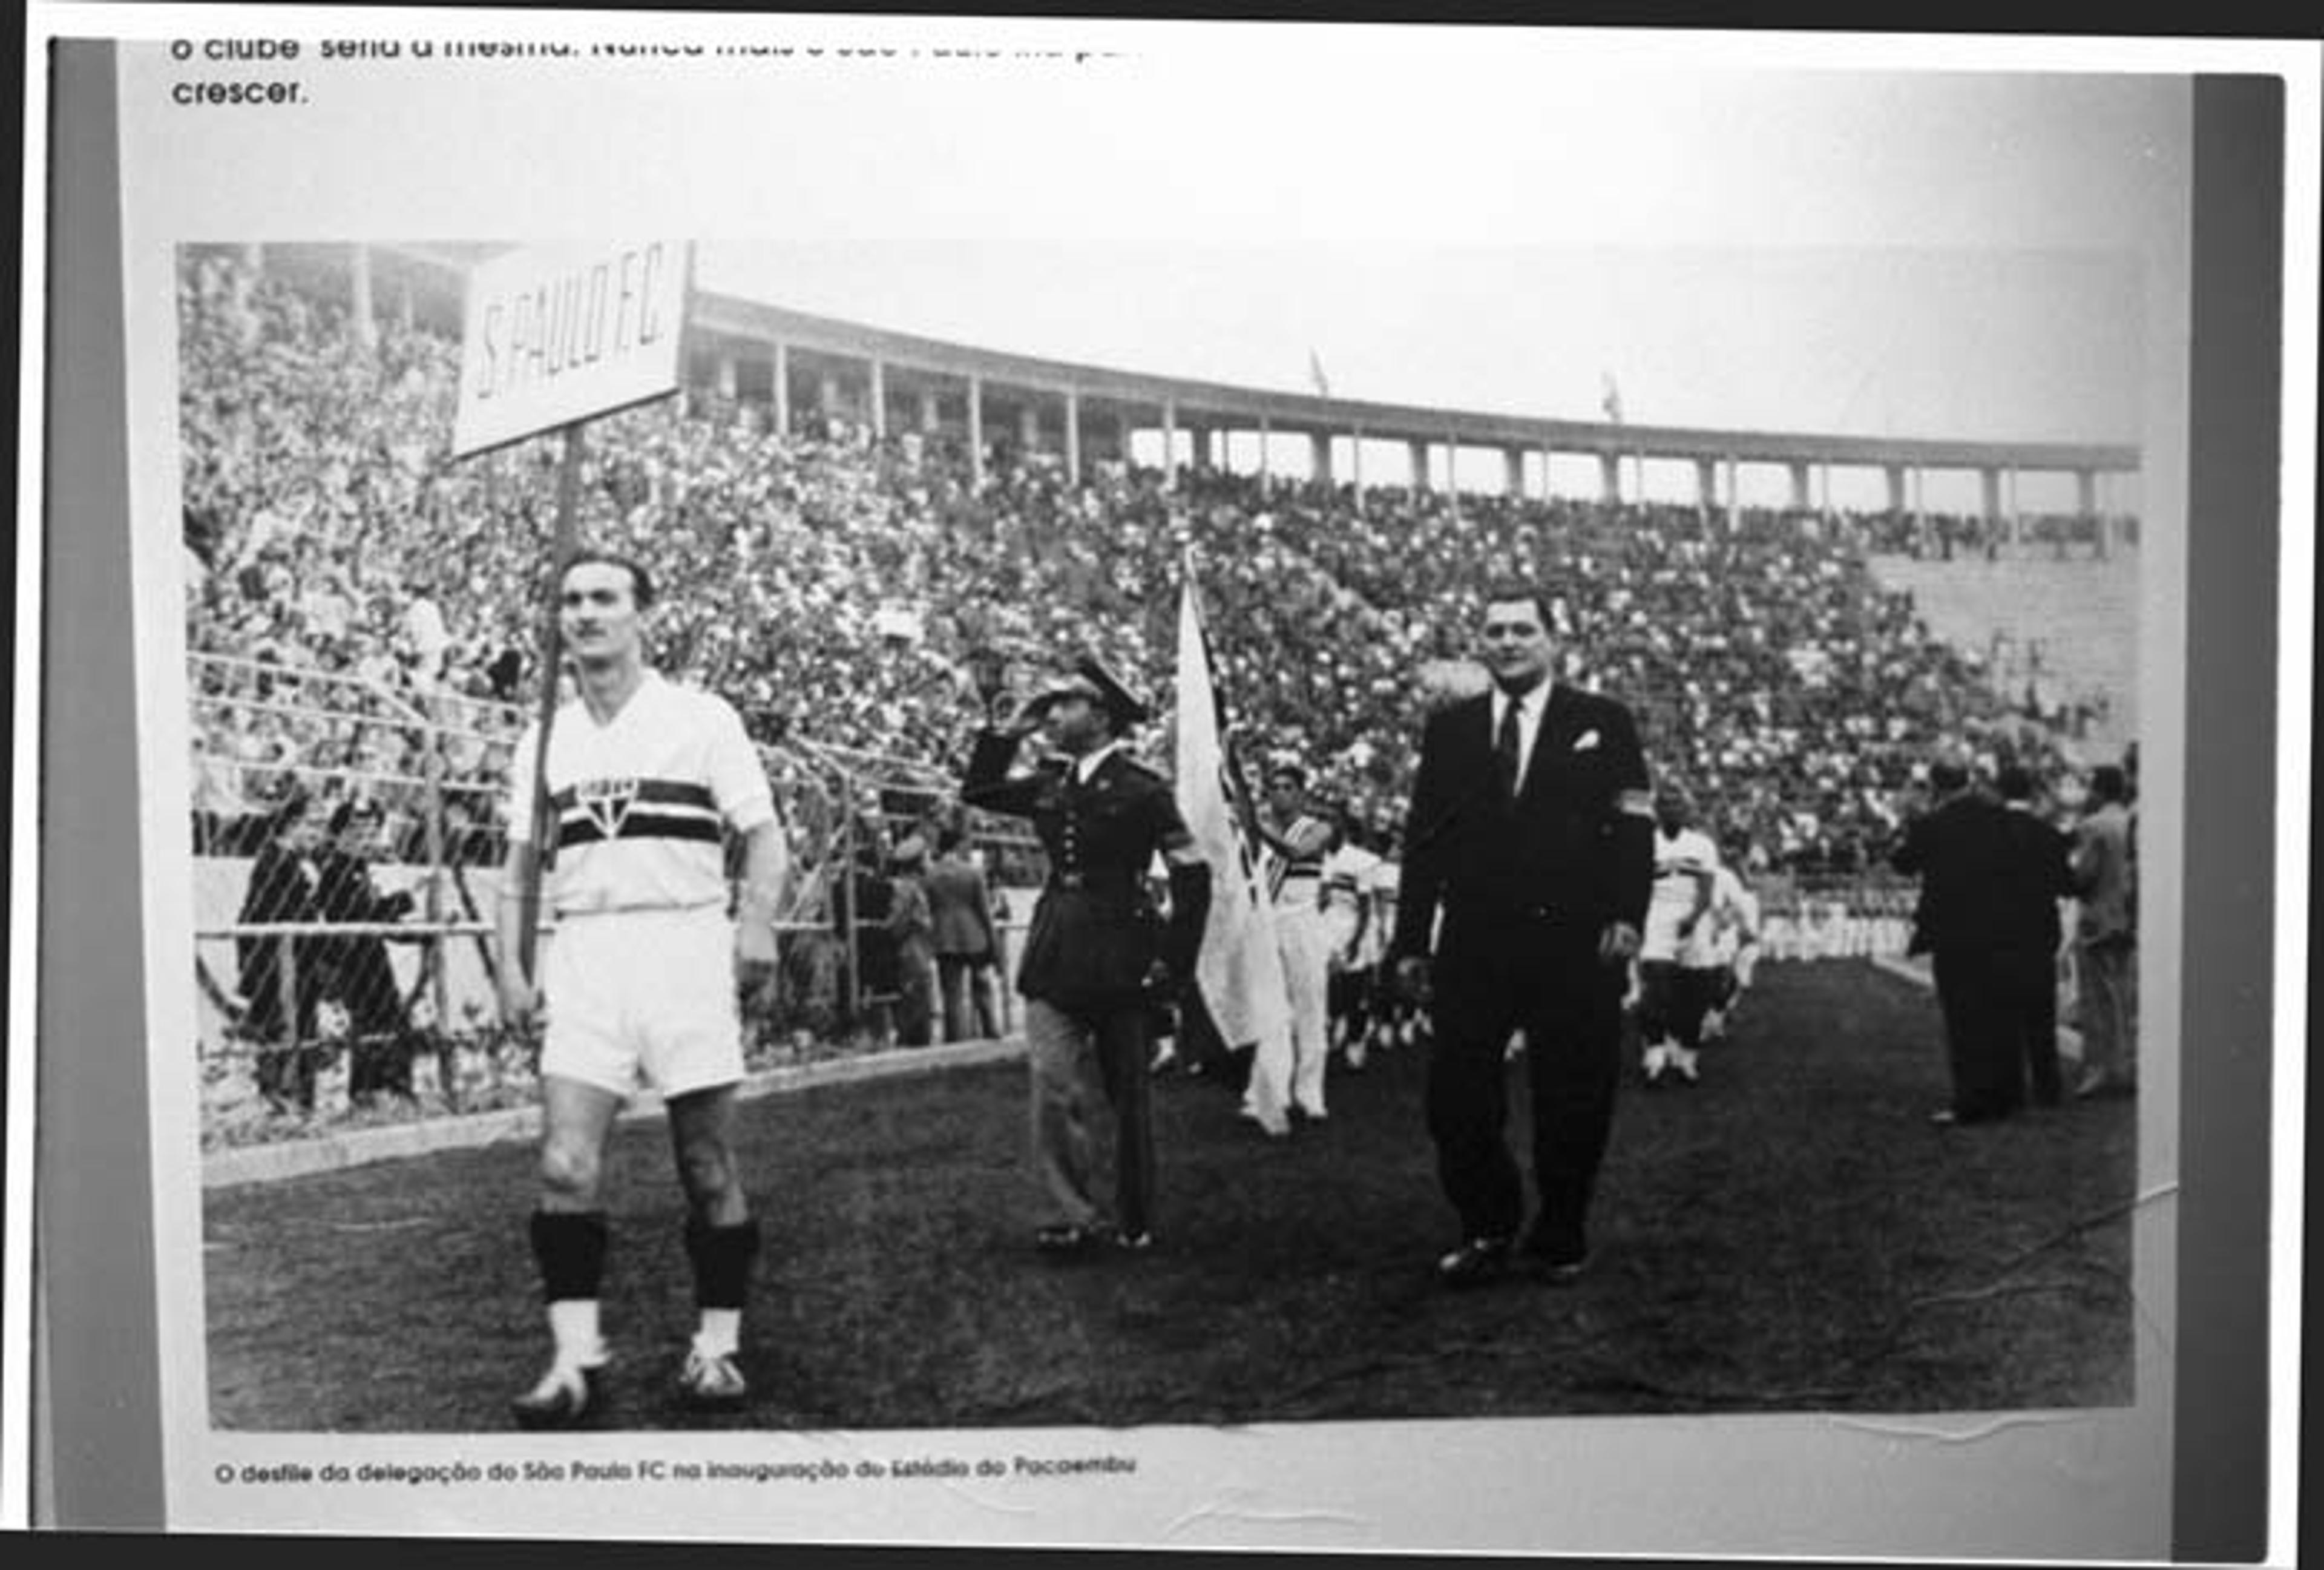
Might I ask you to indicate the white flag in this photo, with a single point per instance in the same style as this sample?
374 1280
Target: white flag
1239 969
1315 375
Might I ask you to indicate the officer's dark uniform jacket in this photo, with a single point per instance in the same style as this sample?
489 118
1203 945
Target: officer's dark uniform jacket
1095 932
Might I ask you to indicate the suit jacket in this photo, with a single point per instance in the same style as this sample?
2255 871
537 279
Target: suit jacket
2102 875
961 907
1096 932
1990 878
1577 843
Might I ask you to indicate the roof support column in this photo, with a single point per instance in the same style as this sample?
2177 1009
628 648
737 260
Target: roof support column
359 283
1073 437
782 384
1544 474
1169 444
1610 478
929 412
1266 474
1513 471
1799 486
1319 456
1029 426
976 431
878 395
1416 457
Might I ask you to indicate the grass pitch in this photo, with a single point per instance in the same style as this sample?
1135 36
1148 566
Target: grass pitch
1792 1236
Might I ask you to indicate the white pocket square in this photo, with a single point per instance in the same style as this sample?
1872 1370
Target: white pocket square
1585 741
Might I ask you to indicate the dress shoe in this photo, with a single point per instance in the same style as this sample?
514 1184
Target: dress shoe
1555 1271
1475 1262
1065 1240
1558 1258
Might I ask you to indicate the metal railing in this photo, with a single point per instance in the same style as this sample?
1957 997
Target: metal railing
346 956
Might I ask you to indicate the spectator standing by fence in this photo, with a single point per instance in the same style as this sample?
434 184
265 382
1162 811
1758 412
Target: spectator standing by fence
285 881
967 946
912 929
360 974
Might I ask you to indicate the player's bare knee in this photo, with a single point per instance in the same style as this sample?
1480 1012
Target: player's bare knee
569 1170
706 1169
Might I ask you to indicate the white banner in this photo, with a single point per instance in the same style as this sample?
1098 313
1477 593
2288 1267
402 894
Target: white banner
1239 970
552 335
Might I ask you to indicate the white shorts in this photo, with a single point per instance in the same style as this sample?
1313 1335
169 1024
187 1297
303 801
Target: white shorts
643 995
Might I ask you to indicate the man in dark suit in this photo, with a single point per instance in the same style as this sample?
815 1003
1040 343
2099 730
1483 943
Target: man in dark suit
283 889
359 970
1987 919
1531 831
1097 952
2039 874
960 903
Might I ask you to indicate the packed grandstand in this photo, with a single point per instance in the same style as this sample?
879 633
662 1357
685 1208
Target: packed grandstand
363 613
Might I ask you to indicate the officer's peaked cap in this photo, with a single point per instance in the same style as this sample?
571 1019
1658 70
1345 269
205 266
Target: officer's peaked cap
1090 679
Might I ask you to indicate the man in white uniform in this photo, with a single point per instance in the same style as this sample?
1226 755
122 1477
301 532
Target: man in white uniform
1726 945
1354 936
640 979
1296 841
1672 1000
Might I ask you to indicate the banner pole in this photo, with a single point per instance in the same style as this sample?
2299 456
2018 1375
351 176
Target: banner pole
568 485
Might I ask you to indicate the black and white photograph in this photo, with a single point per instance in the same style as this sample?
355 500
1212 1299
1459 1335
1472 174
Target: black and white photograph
1161 783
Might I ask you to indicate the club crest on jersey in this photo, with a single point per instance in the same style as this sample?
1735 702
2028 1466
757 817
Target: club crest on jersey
607 802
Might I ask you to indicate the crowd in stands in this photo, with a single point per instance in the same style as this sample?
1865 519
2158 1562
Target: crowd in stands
835 587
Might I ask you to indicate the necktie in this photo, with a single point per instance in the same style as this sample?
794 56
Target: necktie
1505 750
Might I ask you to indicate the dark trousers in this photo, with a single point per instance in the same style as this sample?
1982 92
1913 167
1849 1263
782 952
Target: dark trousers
969 1006
2000 1008
2037 1015
1493 977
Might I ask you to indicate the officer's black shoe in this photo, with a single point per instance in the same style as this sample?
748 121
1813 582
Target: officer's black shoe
1476 1263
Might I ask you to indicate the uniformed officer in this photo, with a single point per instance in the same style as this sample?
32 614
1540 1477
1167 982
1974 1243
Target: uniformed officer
1097 951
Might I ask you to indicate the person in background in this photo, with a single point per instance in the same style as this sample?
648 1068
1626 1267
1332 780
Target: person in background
912 929
2106 939
285 880
359 971
966 939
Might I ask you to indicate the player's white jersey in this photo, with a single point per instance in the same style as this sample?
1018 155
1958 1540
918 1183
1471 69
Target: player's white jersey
1347 900
1680 860
1733 921
639 803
